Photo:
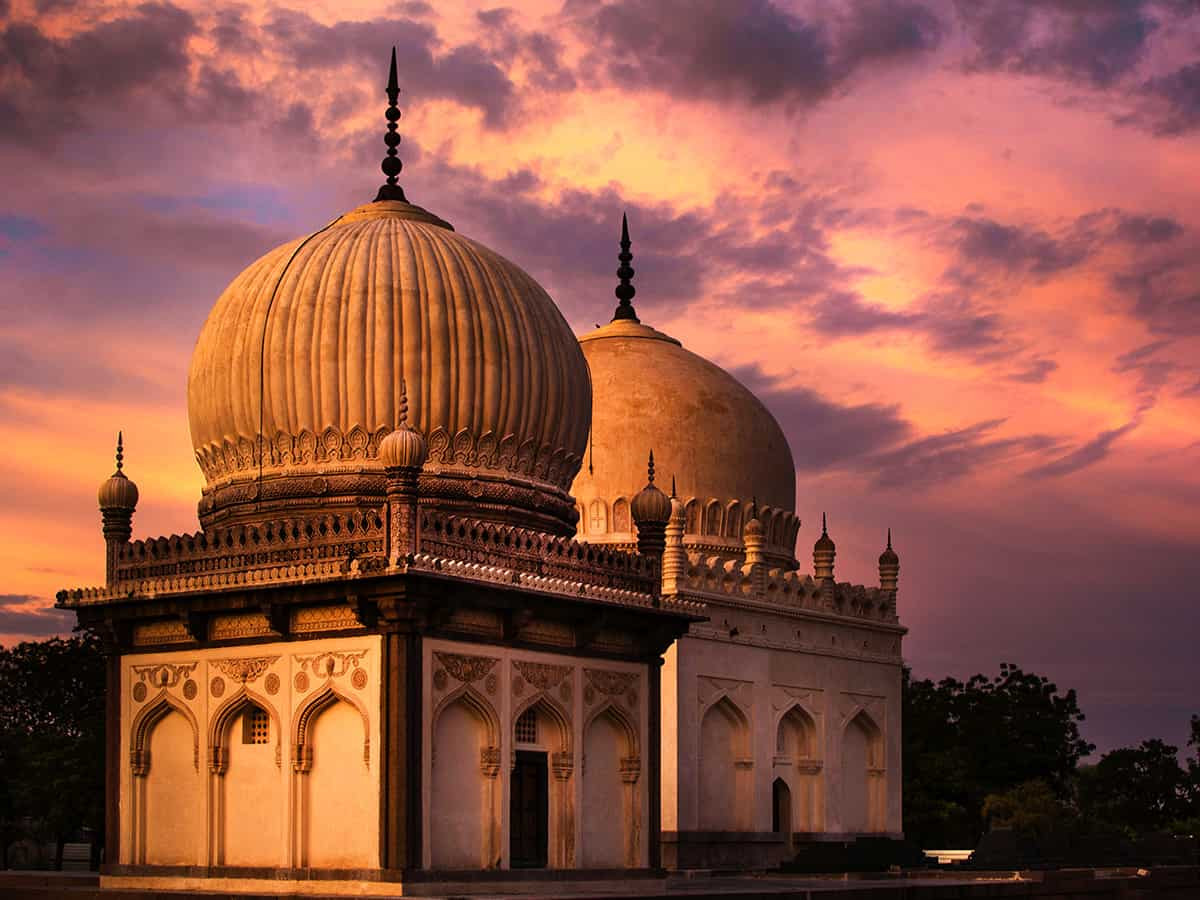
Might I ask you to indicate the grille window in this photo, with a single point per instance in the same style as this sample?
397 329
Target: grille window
527 727
256 727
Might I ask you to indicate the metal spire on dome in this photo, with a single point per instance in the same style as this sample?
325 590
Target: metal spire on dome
825 530
391 164
889 546
672 487
120 451
402 412
650 469
625 289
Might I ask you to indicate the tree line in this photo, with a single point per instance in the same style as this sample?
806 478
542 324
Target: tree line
1006 752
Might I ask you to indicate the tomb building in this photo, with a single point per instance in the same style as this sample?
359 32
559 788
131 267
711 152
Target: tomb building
383 663
781 710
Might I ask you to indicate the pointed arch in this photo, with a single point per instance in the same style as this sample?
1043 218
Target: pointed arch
691 516
477 704
726 770
620 516
864 776
796 734
543 702
324 697
143 724
713 518
611 770
623 722
218 731
862 718
733 519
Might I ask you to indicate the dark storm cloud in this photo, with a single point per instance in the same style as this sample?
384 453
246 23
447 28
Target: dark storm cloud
1089 454
18 616
757 52
1144 230
1164 293
1017 248
1036 372
467 73
47 82
1175 101
1097 41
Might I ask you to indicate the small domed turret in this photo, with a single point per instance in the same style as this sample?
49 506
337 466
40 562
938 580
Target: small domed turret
889 566
650 505
752 537
404 447
824 551
118 492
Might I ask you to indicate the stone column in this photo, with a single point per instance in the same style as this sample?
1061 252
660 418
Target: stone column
400 799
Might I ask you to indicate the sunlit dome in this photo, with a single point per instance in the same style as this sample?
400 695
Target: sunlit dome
710 436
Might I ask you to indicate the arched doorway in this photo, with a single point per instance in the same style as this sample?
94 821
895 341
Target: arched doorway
781 812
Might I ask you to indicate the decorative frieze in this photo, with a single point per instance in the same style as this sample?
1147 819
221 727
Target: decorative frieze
331 663
163 674
467 669
323 618
247 669
543 676
171 631
241 625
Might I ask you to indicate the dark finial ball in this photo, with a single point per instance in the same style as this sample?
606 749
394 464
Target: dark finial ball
393 114
625 291
391 166
392 139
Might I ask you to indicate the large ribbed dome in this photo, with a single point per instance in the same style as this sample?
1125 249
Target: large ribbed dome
707 431
307 350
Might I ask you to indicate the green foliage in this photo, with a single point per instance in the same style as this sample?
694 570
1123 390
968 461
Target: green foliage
1138 790
966 740
52 735
1031 808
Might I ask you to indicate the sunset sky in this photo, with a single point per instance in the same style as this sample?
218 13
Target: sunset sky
954 246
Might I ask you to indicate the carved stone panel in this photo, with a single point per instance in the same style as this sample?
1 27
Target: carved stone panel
464 668
247 669
543 676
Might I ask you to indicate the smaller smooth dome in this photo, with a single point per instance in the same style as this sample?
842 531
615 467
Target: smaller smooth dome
403 448
754 528
888 557
824 542
118 492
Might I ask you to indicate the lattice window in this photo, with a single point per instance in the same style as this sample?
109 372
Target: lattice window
256 727
527 727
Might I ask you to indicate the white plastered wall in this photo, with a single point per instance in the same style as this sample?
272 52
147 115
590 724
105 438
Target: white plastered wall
253 805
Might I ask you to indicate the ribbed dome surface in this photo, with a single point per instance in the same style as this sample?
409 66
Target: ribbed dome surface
308 346
707 431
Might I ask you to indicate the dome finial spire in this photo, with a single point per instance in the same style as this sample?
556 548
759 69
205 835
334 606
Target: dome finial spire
120 451
391 163
650 468
889 546
672 487
402 411
625 289
824 529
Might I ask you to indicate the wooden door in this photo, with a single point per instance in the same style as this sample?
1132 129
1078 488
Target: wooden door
529 811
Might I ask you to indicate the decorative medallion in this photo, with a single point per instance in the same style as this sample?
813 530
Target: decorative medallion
467 669
542 676
139 692
491 683
272 684
301 682
247 669
359 679
440 678
518 686
190 690
217 686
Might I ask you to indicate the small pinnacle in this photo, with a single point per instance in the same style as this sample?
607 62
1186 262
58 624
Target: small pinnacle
650 467
824 530
672 487
625 289
889 546
403 411
754 507
120 451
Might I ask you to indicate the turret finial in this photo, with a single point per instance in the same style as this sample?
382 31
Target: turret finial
889 546
120 451
672 487
754 507
650 468
824 530
402 412
391 163
625 289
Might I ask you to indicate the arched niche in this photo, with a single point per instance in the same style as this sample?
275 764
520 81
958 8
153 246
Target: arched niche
797 761
334 793
247 783
733 520
612 768
464 795
597 517
164 762
725 787
621 522
863 776
713 518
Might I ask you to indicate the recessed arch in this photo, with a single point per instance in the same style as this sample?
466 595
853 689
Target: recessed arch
544 703
713 518
222 721
322 698
725 775
796 733
143 724
478 705
464 765
733 519
620 516
864 777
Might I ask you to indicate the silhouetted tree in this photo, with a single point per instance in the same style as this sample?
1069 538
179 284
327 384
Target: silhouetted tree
52 736
966 740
